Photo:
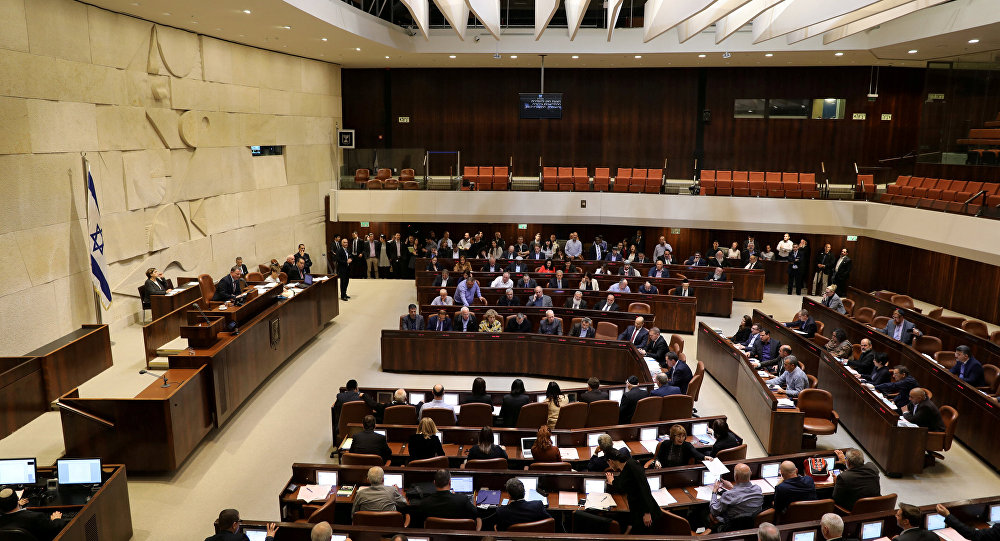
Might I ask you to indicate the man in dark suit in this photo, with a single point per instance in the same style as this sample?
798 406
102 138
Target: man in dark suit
509 299
968 532
350 394
302 254
239 263
792 488
967 367
923 412
398 256
717 259
803 323
557 281
766 348
831 526
596 252
866 361
518 324
659 270
680 372
412 321
593 392
656 347
440 322
753 263
718 276
910 520
609 305
899 329
648 289
664 388
343 258
368 442
43 527
696 261
357 251
824 270
518 510
796 269
683 290
443 503
525 282
298 271
636 333
576 301
492 266
842 271
644 512
443 279
858 480
583 329
901 384
517 266
633 394
288 267
465 321
228 287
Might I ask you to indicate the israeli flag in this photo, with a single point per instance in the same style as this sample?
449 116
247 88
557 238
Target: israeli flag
98 264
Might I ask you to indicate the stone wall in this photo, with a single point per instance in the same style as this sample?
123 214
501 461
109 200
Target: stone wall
165 118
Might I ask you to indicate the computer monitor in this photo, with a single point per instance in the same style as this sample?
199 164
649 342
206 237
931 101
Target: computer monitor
707 478
654 482
994 513
462 484
527 444
496 439
393 480
79 471
769 470
418 538
451 399
830 462
308 280
326 478
934 521
254 534
18 471
871 530
593 486
339 538
592 440
380 431
416 398
804 536
541 398
530 483
648 434
699 429
616 394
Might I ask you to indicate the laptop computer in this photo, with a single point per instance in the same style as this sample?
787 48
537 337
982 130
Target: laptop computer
308 280
593 486
531 490
592 440
393 479
254 534
526 445
769 470
700 433
708 478
616 394
994 514
326 478
871 530
654 482
804 536
451 399
462 484
648 434
934 521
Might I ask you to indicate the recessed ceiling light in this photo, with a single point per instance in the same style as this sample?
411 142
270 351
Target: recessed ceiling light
358 49
973 41
286 27
387 58
194 22
838 54
638 56
513 56
242 35
769 55
247 11
322 39
167 13
452 56
701 56
575 56
135 3
911 51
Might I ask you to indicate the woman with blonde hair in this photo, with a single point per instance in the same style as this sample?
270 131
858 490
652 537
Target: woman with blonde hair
425 443
275 276
491 322
462 265
543 450
676 450
556 400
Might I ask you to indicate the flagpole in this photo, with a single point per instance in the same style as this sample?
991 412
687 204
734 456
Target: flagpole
98 309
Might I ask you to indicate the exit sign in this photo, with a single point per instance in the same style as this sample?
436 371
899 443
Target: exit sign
675 231
404 120
859 116
886 116
364 224
522 226
852 238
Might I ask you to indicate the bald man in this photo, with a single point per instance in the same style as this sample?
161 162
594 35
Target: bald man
792 488
636 333
921 411
740 499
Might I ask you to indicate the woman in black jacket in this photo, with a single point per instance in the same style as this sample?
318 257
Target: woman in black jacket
512 403
479 394
425 443
485 449
743 332
724 439
676 450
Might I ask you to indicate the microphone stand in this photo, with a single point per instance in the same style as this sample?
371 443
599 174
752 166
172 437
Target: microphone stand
198 308
166 383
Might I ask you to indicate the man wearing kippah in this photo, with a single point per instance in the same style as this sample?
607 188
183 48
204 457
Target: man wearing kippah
12 515
230 529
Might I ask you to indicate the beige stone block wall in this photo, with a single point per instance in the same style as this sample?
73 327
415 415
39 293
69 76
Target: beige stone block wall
166 119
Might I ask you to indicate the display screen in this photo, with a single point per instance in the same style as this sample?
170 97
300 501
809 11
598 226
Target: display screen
393 480
82 471
769 470
934 521
804 536
871 530
326 478
462 484
17 471
548 105
593 486
654 482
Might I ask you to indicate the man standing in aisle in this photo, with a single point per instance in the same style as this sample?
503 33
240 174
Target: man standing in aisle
824 271
372 251
842 271
344 260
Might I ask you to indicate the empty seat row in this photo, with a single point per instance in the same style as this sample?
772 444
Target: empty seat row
487 178
940 194
982 136
982 156
759 184
575 179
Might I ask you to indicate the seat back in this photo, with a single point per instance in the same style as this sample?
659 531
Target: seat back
671 524
950 417
533 415
707 174
819 327
602 413
324 513
865 314
995 337
11 533
639 308
816 403
676 343
550 466
475 415
207 286
440 416
143 298
813 382
880 322
733 453
807 511
848 306
648 410
406 175
361 459
946 359
432 462
927 344
606 330
572 415
547 525
694 386
255 277
361 176
977 328
954 321
374 184
874 504
383 174
388 519
487 464
391 184
351 412
468 524
677 406
403 414
904 301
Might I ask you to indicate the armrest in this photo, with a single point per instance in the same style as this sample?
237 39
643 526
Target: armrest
406 520
766 515
834 417
479 524
935 441
649 463
841 511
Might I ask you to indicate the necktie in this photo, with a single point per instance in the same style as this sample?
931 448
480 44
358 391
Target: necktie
634 334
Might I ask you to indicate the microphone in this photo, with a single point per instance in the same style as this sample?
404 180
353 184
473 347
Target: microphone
198 308
165 385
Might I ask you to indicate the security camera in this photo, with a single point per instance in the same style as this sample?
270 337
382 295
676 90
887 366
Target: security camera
476 39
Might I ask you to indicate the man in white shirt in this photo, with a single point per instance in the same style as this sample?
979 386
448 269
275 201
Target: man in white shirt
443 299
620 287
661 248
574 248
503 281
445 241
438 402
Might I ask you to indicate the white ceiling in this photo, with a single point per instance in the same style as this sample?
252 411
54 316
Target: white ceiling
332 30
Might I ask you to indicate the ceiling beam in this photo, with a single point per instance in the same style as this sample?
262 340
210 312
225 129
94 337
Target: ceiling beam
575 10
729 24
614 9
702 20
420 11
488 13
544 10
819 28
662 15
457 14
877 19
791 15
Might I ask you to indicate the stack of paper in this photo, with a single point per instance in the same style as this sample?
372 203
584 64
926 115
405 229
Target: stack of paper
569 453
765 486
173 292
764 374
599 500
346 445
716 467
663 498
703 493
904 423
312 493
320 278
785 403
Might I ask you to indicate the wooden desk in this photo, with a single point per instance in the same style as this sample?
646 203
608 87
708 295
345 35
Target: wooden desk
779 430
979 415
535 315
163 330
161 305
74 359
897 450
673 313
22 392
240 314
105 516
537 355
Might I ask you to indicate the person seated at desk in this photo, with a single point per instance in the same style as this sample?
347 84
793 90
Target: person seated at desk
274 277
518 510
864 364
519 324
443 279
598 460
588 283
765 350
609 304
718 275
899 329
437 402
539 298
838 345
411 321
753 335
462 266
831 526
228 287
468 291
465 321
680 372
752 263
676 450
620 287
555 400
793 379
792 488
880 370
593 392
443 299
737 500
434 266
628 270
550 324
972 534
302 255
923 412
425 443
398 399
659 271
43 527
909 519
509 299
858 480
492 266
526 282
683 290
635 333
557 281
543 450
901 384
576 302
742 332
696 261
369 442
718 260
664 388
439 322
967 368
288 266
804 323
648 288
583 329
512 402
832 301
548 267
503 281
444 503
297 271
485 449
569 267
517 266
644 512
491 322
633 394
155 284
656 347
724 439
376 496
478 394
